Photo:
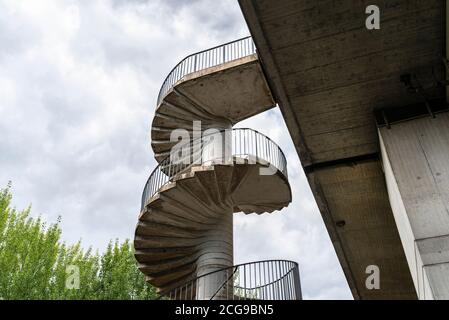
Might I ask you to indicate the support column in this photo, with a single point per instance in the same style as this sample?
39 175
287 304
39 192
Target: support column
217 248
217 146
216 254
415 157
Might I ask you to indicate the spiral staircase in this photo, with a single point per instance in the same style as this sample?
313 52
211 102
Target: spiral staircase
184 236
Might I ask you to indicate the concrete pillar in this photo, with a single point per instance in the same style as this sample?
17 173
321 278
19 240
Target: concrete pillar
415 157
216 253
217 248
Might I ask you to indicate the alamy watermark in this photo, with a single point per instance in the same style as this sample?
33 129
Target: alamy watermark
372 22
72 280
224 146
372 282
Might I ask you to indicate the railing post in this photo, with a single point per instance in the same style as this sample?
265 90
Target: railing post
255 138
298 293
224 54
244 279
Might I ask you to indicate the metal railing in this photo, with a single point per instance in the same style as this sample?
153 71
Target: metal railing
261 280
248 146
205 59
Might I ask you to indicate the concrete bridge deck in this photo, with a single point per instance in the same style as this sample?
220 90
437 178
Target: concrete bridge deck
330 75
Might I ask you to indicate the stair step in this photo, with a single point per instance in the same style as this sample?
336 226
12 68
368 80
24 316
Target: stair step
176 276
159 216
145 241
158 255
167 265
164 230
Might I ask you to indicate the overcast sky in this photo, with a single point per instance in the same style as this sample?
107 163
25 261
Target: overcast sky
78 87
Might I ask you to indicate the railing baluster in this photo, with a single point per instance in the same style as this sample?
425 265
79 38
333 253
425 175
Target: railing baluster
244 142
284 283
244 279
227 284
250 283
278 284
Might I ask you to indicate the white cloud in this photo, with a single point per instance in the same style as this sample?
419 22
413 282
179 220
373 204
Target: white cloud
78 85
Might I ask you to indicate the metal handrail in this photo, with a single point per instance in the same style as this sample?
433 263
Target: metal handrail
258 280
247 145
205 59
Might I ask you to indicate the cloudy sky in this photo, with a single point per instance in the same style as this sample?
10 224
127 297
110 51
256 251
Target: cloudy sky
78 87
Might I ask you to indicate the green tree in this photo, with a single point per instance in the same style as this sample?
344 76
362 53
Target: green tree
34 262
119 277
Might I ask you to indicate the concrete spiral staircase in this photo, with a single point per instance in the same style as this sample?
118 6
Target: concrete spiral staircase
185 225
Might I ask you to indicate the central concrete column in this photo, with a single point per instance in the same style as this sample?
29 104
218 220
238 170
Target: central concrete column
415 157
216 250
216 253
217 146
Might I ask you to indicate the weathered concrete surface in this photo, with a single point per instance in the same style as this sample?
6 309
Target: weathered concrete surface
356 197
217 254
219 97
416 161
328 73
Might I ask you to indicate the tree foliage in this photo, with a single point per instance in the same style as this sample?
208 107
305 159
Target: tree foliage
36 264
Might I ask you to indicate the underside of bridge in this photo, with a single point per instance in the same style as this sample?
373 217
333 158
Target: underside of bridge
336 82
